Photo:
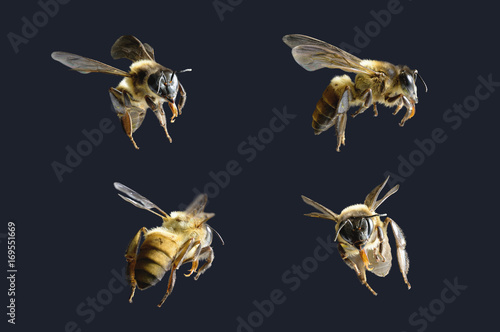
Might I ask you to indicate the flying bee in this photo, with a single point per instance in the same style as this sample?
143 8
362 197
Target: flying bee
184 237
362 236
375 82
147 85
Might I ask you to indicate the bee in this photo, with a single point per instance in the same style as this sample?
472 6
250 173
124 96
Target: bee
184 237
375 82
362 236
147 85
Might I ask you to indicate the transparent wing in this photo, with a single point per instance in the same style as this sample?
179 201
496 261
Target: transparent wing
85 65
136 199
371 199
197 206
313 54
131 48
326 213
298 39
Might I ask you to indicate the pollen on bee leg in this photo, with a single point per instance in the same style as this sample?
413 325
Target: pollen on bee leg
175 111
364 258
412 113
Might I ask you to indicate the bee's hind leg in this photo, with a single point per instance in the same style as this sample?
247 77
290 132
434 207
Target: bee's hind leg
121 101
178 261
341 117
131 257
403 260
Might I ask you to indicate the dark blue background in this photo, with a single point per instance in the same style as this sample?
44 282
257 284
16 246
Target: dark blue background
71 235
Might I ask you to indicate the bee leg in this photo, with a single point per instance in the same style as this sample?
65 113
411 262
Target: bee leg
378 251
403 101
393 99
375 111
367 96
160 114
341 115
208 254
182 98
403 260
121 101
179 258
195 260
174 110
151 103
130 256
400 106
410 110
360 273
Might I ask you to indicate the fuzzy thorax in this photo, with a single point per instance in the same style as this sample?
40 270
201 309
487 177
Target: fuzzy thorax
356 210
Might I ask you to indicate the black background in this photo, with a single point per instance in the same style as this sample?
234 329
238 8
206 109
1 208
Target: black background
71 234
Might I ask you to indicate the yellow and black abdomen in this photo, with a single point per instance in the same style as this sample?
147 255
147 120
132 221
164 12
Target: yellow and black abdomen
324 115
154 259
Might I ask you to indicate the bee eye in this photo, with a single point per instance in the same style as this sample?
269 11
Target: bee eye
347 232
367 226
407 82
209 235
157 83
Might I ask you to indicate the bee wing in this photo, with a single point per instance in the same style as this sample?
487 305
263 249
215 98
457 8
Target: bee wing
85 65
327 213
382 266
313 54
197 206
137 199
131 48
371 199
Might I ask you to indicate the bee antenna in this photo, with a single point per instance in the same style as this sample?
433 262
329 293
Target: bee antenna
420 77
184 70
172 76
377 215
220 237
340 228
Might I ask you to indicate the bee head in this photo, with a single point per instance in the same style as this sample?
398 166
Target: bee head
165 84
407 79
356 231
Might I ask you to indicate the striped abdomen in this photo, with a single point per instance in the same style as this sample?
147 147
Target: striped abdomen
324 115
154 259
